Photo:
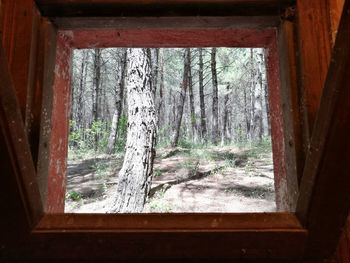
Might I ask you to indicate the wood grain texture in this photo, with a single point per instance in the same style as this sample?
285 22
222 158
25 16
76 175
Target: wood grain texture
19 40
211 37
168 236
59 129
42 109
324 200
335 11
114 8
16 149
199 22
315 48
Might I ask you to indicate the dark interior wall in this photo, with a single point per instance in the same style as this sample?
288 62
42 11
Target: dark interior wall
20 26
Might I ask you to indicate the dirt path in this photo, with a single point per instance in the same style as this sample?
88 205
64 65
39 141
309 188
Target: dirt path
218 179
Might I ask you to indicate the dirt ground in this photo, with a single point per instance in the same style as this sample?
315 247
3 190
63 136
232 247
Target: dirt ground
215 179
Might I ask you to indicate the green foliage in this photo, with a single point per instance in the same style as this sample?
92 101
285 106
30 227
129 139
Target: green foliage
122 134
157 172
74 196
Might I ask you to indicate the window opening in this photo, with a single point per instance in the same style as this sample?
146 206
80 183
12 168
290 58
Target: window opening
205 112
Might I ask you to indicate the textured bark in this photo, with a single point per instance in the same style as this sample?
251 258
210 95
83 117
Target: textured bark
227 111
160 109
201 97
267 105
119 104
257 60
190 93
135 176
80 94
180 106
97 90
215 108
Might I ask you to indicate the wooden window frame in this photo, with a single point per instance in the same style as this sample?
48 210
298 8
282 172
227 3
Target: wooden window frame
182 236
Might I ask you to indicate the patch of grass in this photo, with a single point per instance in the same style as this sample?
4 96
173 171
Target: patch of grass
158 204
157 172
101 168
74 196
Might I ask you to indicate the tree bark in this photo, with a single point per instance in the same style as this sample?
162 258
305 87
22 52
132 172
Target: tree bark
215 108
201 97
257 131
135 176
183 91
190 93
227 110
97 91
160 109
118 104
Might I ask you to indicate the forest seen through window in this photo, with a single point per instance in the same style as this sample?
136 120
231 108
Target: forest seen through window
169 130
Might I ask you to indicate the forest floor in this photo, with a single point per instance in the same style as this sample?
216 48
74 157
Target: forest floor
211 179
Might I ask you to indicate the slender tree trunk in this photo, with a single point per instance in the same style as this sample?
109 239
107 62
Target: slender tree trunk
180 106
190 92
118 104
135 176
267 105
97 91
252 96
215 131
246 113
225 129
160 109
201 97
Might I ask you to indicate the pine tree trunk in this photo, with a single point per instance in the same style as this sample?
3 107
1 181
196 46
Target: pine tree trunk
201 97
190 92
225 129
257 131
267 105
180 106
160 109
118 104
135 176
215 131
97 90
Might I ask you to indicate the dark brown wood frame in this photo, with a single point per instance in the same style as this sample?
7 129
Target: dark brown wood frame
186 236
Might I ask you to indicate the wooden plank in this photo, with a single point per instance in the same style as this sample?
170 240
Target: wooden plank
284 114
315 48
191 222
218 37
168 236
241 245
16 147
113 8
335 11
19 40
44 80
291 101
199 22
324 200
59 128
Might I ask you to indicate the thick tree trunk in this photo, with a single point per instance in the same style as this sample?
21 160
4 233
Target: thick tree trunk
135 176
201 97
257 131
215 108
118 104
180 106
190 92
